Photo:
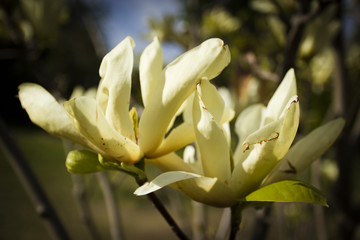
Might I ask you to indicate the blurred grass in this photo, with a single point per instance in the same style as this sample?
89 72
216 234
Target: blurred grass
46 157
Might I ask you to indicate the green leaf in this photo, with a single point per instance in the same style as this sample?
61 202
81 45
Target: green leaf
288 191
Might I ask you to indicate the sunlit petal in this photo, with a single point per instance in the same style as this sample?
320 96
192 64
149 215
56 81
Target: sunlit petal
306 151
172 162
150 69
179 137
211 140
91 122
46 112
247 122
203 189
181 76
114 90
281 97
163 180
207 190
267 146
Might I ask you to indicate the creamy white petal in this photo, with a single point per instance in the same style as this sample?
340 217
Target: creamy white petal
163 180
267 146
172 162
213 146
150 69
189 154
178 138
77 91
247 122
89 119
202 189
211 99
181 76
281 97
47 113
114 90
306 151
188 106
207 190
226 95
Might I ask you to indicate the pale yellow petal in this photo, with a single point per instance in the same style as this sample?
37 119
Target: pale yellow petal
77 91
189 154
150 69
211 141
281 97
202 189
267 146
306 151
212 100
47 113
247 122
172 162
113 94
210 191
179 137
163 180
89 119
181 76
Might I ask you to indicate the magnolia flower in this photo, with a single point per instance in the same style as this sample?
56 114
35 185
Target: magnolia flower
105 125
261 157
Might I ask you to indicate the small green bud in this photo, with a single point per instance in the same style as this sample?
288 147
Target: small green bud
82 162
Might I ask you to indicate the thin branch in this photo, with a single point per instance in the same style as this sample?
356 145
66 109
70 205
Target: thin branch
166 215
258 71
111 206
31 185
235 220
84 209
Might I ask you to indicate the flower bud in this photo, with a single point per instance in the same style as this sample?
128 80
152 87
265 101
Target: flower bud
82 162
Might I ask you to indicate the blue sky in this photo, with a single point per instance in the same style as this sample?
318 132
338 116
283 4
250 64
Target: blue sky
130 18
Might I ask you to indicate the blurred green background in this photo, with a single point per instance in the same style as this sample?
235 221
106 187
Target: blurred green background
59 44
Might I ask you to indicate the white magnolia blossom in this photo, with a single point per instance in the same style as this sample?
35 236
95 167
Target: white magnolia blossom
104 123
261 157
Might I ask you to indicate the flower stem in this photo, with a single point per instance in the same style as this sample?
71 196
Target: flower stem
235 220
161 208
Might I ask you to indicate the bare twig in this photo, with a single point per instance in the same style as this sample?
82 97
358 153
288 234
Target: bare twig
161 208
235 220
84 210
37 196
258 71
112 208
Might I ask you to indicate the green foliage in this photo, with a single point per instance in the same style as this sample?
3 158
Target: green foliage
288 191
